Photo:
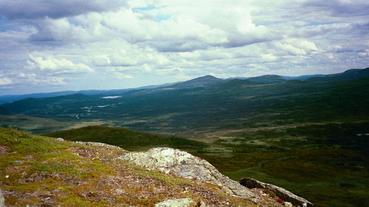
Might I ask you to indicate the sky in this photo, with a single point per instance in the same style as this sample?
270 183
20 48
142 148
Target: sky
53 45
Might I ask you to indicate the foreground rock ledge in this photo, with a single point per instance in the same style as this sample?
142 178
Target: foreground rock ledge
278 191
182 164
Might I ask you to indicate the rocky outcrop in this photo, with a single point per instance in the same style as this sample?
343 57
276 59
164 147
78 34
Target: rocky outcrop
183 164
182 202
282 193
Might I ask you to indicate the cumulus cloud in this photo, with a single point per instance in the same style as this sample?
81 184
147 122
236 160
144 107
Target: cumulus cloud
297 46
56 65
186 31
39 79
15 9
186 25
127 43
340 7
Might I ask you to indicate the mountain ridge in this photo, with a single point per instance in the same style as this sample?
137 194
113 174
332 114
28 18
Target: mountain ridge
207 100
201 81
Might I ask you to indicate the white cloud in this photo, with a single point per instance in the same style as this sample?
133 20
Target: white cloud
364 53
178 26
15 9
269 57
34 79
297 46
122 75
152 41
5 81
56 65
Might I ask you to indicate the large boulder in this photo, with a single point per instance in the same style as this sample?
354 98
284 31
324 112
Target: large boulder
183 164
278 191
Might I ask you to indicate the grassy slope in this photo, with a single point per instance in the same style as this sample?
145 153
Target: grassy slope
42 171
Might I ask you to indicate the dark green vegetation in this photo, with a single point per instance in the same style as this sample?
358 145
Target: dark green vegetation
308 134
326 163
32 123
126 139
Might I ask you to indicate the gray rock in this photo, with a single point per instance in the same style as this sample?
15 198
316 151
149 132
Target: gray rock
182 202
288 204
59 139
183 164
284 194
2 200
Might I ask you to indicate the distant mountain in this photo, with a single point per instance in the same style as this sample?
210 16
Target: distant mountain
203 81
199 82
11 98
303 77
211 102
266 79
348 75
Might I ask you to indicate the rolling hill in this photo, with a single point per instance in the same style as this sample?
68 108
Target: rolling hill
127 139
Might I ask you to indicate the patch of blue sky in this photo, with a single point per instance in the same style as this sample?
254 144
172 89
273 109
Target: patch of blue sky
153 11
144 9
162 17
4 23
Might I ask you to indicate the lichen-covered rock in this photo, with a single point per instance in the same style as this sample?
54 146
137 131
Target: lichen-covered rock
284 194
2 201
183 164
182 202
